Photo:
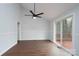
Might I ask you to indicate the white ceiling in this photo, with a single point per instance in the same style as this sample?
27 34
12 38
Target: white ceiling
50 10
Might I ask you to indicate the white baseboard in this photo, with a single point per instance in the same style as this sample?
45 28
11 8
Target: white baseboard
35 39
1 53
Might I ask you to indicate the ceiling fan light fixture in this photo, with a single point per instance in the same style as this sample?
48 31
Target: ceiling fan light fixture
33 14
34 17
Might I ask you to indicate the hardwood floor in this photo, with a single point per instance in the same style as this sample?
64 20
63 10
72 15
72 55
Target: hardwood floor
66 43
35 48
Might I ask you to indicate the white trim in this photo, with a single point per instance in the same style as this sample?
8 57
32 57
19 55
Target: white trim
35 39
61 31
73 31
1 53
54 31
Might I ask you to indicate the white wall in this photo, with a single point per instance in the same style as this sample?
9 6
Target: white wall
75 29
31 29
9 15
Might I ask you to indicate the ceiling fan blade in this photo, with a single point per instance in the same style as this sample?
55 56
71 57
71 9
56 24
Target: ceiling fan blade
32 12
40 14
28 15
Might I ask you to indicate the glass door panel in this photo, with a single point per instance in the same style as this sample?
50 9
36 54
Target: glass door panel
67 33
58 32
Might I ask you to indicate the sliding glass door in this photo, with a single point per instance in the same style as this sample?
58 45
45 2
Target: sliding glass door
64 32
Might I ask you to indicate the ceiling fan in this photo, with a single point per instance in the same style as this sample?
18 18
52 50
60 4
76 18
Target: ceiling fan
34 15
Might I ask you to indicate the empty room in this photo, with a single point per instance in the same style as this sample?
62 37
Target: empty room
39 29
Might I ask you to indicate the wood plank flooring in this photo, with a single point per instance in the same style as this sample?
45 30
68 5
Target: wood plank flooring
35 48
66 43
